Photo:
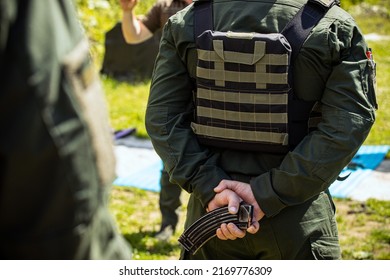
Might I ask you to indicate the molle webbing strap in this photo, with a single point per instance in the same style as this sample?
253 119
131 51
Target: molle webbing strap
240 135
243 97
256 61
221 65
242 89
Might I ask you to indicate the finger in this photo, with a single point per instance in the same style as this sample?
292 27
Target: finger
223 185
211 206
226 230
235 231
255 226
220 234
227 184
231 231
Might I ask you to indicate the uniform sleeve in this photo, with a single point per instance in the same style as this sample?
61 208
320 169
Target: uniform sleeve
168 116
348 112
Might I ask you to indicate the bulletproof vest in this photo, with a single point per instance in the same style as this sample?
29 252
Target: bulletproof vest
244 98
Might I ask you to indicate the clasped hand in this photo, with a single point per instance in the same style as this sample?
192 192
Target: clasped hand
232 193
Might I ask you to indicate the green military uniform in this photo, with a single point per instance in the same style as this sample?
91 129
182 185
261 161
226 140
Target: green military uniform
169 199
291 189
56 158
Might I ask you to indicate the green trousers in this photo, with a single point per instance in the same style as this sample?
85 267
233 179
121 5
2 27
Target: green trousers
169 201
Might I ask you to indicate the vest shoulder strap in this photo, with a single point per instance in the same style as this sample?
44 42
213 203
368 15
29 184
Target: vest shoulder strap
203 18
296 30
299 27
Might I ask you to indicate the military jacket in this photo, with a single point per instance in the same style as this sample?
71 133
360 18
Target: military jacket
332 69
56 157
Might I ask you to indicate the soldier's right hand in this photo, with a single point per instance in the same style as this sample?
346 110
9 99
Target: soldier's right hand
128 5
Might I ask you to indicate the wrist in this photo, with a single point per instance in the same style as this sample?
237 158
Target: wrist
128 13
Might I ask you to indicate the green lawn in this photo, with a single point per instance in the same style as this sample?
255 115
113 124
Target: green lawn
380 133
364 227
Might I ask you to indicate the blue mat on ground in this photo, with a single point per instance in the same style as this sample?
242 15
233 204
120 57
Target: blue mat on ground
141 168
138 167
366 160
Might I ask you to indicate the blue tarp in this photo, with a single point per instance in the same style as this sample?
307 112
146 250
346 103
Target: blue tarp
367 159
141 168
138 167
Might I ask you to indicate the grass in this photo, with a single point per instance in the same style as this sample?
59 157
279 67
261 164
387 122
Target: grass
138 218
364 227
380 133
127 104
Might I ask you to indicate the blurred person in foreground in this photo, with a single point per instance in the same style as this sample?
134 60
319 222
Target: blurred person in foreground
56 157
137 30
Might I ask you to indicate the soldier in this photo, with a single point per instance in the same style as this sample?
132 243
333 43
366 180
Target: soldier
137 30
293 208
56 157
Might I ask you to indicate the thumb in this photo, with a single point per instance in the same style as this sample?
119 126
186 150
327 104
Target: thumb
234 203
254 227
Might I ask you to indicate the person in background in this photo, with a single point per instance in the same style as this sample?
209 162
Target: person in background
293 209
137 30
56 157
